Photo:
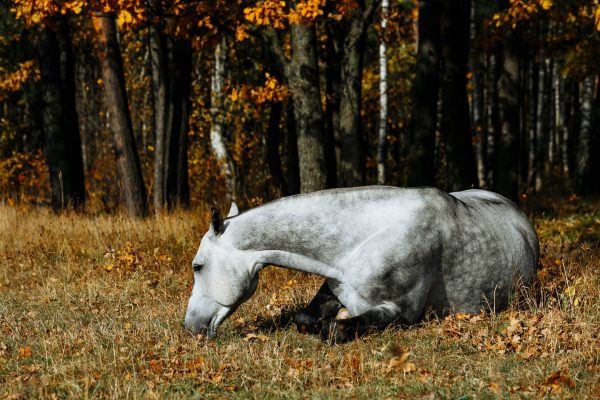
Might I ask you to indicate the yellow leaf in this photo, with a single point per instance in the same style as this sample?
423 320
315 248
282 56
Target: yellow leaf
25 352
408 367
252 337
546 4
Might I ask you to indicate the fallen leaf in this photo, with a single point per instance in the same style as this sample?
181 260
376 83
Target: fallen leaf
252 337
462 316
494 387
25 352
156 366
401 364
408 367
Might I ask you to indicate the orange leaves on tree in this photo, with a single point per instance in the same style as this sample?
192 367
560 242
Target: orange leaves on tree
268 12
241 33
34 12
23 177
272 91
13 81
205 22
273 13
308 10
343 7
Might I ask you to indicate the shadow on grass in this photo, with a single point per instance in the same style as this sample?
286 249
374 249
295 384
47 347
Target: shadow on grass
278 322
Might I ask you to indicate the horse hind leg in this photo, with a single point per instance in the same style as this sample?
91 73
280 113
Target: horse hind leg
319 312
344 330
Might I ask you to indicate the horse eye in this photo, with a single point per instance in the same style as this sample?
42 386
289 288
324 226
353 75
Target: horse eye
197 267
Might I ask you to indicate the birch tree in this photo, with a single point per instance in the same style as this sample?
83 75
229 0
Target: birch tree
217 109
383 98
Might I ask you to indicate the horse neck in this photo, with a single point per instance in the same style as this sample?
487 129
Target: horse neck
287 235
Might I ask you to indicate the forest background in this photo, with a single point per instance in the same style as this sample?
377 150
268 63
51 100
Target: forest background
117 108
150 104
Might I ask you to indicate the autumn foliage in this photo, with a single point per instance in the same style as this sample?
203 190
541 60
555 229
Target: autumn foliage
254 81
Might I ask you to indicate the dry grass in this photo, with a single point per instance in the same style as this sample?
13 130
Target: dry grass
93 307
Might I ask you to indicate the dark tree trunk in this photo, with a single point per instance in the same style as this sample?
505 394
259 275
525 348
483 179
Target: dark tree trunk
351 169
524 100
332 103
292 162
160 89
506 166
455 128
492 119
595 142
532 80
478 99
303 78
128 162
59 116
180 73
584 178
573 122
273 140
421 157
543 124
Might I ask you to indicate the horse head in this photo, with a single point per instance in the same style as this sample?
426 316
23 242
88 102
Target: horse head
224 277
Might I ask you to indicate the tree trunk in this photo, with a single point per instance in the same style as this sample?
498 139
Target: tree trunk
273 157
217 130
492 118
572 122
456 123
542 129
532 83
351 169
506 166
59 116
128 162
421 157
332 102
160 87
303 78
292 162
583 178
595 142
180 73
478 98
383 98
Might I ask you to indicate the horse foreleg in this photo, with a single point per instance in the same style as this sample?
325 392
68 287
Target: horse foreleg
319 312
343 330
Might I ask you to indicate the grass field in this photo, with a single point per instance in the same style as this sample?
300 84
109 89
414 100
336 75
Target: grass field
92 307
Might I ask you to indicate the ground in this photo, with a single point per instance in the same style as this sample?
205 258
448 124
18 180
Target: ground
93 306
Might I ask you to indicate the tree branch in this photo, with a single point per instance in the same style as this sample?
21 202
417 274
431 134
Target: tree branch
369 12
271 37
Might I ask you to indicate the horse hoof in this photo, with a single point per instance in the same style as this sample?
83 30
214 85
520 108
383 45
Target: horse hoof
305 323
337 332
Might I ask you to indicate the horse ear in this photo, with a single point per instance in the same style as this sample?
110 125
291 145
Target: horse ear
216 221
233 211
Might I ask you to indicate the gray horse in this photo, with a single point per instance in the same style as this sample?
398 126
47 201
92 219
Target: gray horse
388 254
